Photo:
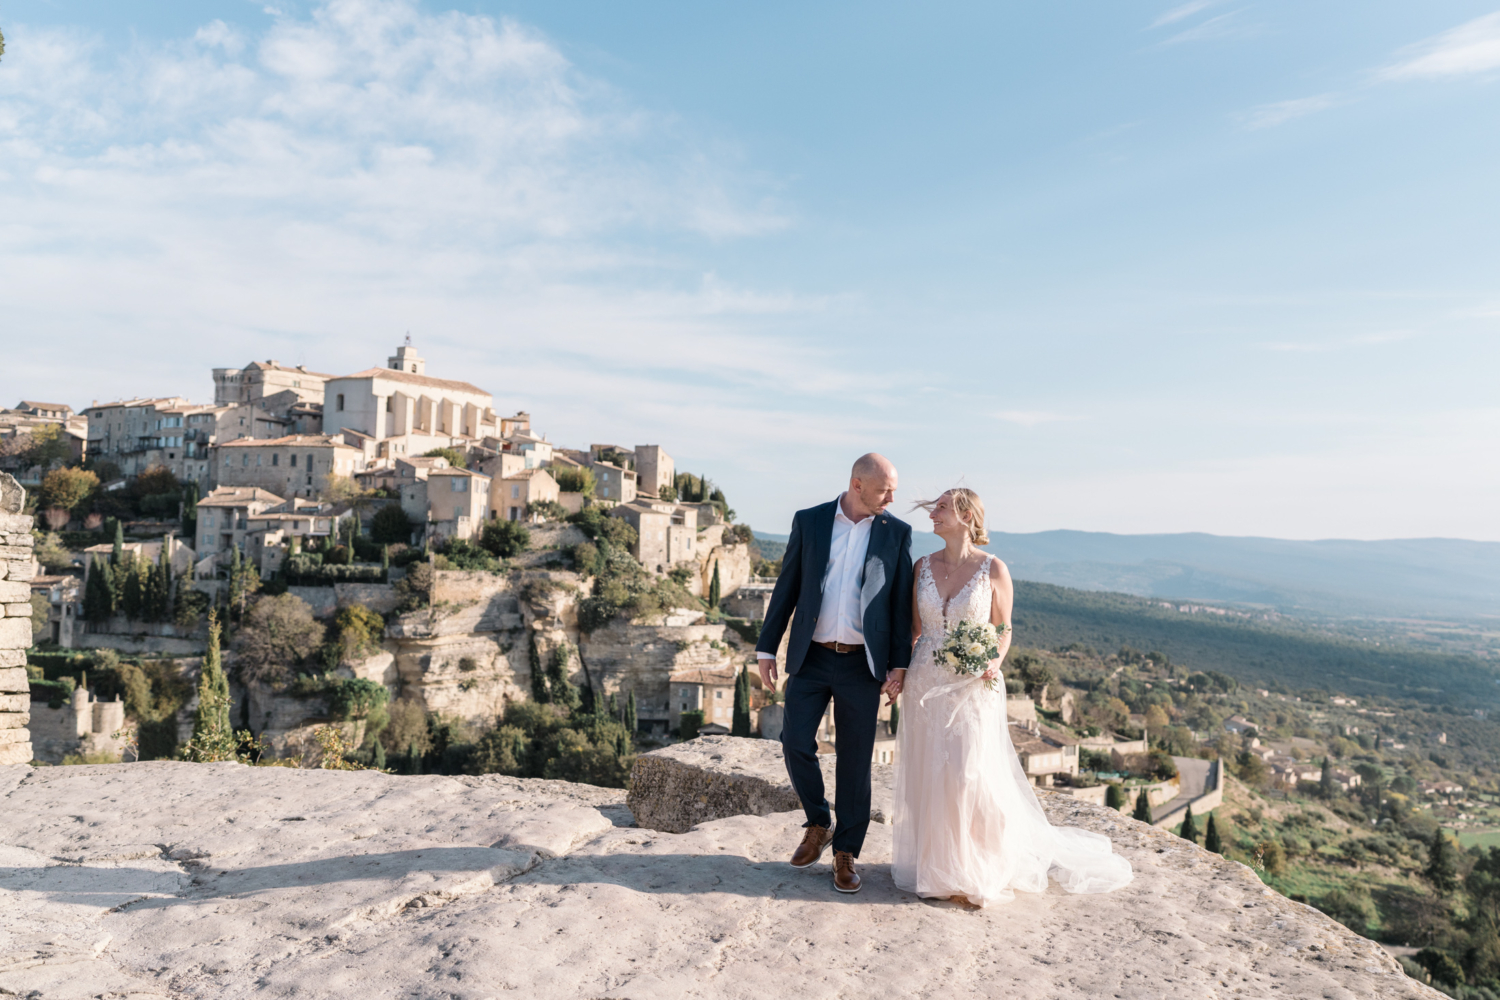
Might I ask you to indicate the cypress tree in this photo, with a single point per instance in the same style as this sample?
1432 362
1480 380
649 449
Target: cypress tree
385 563
1143 807
1189 829
133 600
211 722
614 709
379 759
413 759
1114 797
1325 780
119 549
714 591
539 692
1211 837
98 600
632 720
740 723
1442 866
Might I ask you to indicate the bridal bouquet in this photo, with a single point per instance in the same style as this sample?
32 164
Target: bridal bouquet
970 647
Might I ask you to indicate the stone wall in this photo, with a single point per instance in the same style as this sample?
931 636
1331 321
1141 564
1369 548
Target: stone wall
84 725
16 569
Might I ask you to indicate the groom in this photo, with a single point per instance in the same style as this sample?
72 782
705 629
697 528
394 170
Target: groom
847 575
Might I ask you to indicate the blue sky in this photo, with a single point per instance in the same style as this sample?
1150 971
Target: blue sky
1120 266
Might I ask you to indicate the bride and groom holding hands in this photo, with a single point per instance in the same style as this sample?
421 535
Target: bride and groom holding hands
864 622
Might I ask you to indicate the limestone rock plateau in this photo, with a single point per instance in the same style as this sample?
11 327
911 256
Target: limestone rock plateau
221 880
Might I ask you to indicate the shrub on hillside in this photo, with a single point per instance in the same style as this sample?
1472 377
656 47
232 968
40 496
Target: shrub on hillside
505 538
276 635
390 525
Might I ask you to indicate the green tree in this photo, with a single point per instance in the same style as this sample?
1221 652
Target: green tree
1441 966
133 596
1442 863
1189 828
391 525
740 724
378 757
560 690
119 550
211 728
68 489
98 596
276 634
47 445
505 538
1325 780
190 510
666 492
1143 807
1114 796
453 455
575 480
691 722
1211 836
714 586
632 716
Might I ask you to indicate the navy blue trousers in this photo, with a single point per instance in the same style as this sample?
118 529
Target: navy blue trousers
846 679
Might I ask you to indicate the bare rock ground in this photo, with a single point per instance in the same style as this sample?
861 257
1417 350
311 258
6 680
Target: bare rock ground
218 880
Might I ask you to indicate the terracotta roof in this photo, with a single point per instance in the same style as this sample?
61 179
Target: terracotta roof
235 496
291 440
33 404
458 472
143 401
396 375
527 474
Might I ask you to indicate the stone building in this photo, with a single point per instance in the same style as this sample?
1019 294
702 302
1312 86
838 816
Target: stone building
260 380
512 493
613 483
294 466
84 725
17 567
224 523
653 470
708 691
448 503
667 532
406 411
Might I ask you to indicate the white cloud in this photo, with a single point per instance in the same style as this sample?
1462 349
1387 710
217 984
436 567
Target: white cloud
1181 11
1224 26
1468 49
1280 112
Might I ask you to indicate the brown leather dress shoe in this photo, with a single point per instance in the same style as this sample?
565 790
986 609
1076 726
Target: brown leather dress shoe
845 878
814 842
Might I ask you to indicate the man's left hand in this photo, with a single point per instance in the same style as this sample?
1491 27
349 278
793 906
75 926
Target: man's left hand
895 680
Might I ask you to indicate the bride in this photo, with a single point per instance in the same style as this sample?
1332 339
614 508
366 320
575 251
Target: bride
968 825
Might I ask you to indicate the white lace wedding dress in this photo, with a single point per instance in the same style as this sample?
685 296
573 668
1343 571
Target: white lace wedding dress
967 820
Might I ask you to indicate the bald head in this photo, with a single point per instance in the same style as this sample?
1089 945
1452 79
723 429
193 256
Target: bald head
872 484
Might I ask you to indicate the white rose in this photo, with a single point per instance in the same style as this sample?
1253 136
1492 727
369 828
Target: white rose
975 648
952 660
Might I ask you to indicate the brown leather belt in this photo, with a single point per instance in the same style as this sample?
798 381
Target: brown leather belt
840 647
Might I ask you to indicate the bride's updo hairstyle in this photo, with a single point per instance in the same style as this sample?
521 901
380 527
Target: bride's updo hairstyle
968 507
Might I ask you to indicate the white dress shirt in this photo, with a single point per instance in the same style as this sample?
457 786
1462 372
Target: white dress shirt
841 618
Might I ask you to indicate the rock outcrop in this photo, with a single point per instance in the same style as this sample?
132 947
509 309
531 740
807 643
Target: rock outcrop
225 881
16 568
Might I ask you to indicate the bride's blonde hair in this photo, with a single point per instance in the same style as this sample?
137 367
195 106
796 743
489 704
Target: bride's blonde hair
968 507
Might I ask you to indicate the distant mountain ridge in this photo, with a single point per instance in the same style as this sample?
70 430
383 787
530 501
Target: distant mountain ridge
1416 577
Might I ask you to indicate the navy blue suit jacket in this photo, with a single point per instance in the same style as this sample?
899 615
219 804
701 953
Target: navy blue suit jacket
885 590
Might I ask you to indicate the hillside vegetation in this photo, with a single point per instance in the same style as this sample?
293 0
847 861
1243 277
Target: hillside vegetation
1257 652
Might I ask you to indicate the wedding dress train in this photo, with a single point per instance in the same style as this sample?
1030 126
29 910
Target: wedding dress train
967 820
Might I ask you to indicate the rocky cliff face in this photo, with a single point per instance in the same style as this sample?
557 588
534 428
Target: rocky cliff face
170 880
